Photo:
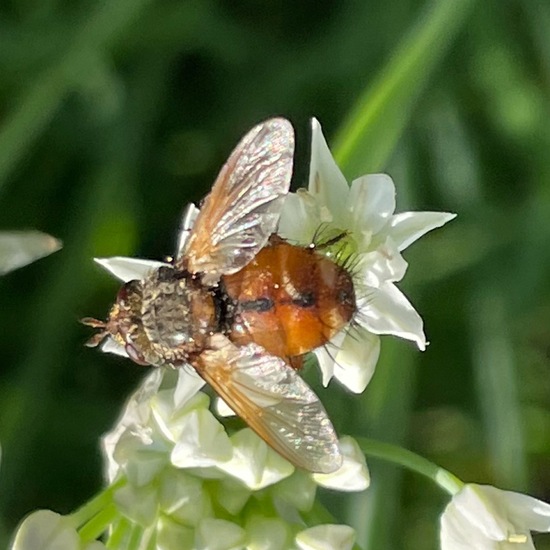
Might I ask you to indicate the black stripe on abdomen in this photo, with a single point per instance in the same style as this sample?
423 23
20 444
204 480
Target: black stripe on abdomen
260 305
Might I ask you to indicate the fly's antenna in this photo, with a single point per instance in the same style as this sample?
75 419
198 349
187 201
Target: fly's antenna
97 338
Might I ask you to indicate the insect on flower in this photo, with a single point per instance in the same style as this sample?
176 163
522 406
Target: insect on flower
241 305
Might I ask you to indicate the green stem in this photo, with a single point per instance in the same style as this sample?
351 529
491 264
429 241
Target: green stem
411 461
120 533
98 503
98 524
136 537
152 544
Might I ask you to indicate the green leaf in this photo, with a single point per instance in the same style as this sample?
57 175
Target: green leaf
497 387
373 127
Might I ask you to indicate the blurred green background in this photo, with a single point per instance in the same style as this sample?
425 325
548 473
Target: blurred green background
114 115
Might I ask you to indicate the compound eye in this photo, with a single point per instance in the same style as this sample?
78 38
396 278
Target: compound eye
129 289
135 355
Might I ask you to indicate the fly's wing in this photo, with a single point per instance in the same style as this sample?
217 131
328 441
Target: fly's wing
243 208
274 401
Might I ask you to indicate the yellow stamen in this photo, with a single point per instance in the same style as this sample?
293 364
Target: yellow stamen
517 539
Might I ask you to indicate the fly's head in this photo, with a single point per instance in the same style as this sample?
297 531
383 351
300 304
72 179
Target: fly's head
125 326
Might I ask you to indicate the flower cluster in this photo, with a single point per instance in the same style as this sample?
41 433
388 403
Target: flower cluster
196 483
375 237
188 484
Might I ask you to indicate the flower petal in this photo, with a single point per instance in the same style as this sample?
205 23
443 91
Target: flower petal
326 181
471 516
326 537
139 504
356 359
170 534
267 533
138 407
141 463
481 516
188 218
110 345
297 490
457 533
182 497
386 310
530 512
129 269
300 218
522 511
188 384
385 264
219 534
232 495
20 248
254 463
407 227
134 419
353 475
327 354
46 530
371 201
223 409
169 419
201 441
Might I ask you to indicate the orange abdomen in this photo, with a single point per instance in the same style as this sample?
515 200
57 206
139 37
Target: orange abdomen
289 299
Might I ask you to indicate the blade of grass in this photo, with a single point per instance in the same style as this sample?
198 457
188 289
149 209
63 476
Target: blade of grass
370 133
386 406
496 385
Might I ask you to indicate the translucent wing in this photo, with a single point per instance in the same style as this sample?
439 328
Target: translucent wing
242 210
275 402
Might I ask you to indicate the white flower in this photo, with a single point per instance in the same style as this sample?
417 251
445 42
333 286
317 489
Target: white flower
220 534
267 534
326 537
19 248
182 468
353 475
486 518
46 530
375 237
254 463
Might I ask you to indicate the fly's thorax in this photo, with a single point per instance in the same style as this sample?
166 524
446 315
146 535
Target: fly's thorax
178 314
163 319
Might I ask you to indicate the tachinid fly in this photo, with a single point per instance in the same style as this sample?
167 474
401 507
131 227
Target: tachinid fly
242 306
